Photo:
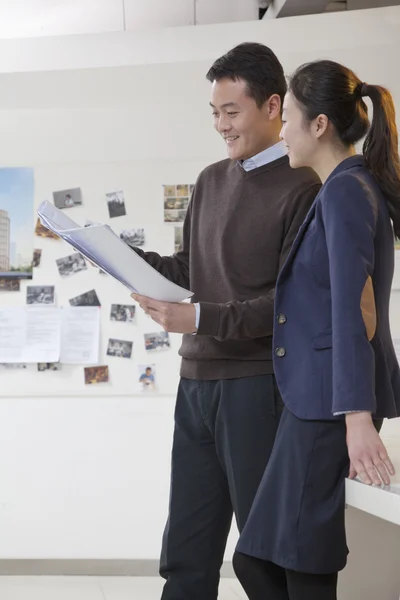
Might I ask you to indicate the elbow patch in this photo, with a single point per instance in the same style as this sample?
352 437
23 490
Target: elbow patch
368 308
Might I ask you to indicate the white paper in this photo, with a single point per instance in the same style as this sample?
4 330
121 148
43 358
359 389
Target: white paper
100 245
80 335
30 335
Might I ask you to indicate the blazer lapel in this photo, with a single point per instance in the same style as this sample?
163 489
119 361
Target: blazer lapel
300 236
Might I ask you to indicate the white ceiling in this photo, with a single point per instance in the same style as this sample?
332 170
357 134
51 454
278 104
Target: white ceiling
37 18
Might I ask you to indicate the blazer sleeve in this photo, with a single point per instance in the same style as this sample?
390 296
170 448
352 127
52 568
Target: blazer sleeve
349 211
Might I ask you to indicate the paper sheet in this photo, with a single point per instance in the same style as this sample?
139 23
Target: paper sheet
80 335
102 246
30 335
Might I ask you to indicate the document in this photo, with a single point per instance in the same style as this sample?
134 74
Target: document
30 335
102 246
80 339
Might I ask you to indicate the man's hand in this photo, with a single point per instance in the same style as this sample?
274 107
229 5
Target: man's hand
172 316
368 456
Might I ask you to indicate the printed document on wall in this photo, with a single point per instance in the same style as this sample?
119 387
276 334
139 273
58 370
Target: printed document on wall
80 338
29 335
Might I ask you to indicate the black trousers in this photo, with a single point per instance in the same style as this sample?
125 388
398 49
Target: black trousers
262 580
224 434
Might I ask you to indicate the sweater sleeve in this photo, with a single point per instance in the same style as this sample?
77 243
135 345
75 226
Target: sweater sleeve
176 267
349 215
254 318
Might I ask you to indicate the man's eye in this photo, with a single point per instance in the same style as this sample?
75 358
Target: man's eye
232 114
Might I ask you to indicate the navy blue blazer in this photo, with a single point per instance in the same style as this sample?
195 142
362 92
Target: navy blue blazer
332 342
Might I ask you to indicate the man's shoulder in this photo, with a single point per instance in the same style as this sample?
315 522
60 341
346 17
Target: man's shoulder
218 168
302 177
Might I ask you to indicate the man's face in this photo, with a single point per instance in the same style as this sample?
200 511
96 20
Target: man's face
244 126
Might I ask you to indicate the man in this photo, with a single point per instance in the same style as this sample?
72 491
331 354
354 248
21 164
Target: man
242 219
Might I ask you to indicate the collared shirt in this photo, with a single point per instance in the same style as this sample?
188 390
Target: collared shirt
259 160
266 156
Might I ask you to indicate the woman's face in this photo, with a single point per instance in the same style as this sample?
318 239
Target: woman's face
297 134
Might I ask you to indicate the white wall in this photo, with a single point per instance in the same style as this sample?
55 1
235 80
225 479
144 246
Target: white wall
38 18
88 477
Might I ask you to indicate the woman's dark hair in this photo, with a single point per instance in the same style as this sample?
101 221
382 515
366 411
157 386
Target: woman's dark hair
255 64
326 87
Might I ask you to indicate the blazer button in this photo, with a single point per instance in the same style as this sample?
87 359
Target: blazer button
280 352
281 318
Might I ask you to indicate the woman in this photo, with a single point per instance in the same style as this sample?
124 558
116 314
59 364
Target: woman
334 359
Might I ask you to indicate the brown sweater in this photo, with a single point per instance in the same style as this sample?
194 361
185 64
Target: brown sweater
238 231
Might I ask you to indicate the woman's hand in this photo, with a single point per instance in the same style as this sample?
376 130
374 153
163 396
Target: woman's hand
369 459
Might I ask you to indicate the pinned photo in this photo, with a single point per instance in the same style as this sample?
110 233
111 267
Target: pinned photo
37 256
133 237
119 348
116 204
67 198
10 285
174 216
157 341
42 231
87 299
40 294
124 313
68 265
96 374
182 190
176 203
178 238
49 366
147 377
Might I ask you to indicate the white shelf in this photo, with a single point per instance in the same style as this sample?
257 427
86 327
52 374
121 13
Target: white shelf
380 502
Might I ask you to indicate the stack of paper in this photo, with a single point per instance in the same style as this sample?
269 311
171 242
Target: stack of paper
100 245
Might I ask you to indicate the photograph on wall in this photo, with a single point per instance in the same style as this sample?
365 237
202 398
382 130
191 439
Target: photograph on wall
37 256
178 238
87 299
133 237
157 341
119 348
16 223
10 285
123 313
40 294
96 374
55 366
172 204
147 377
116 204
174 216
176 201
67 198
68 265
42 231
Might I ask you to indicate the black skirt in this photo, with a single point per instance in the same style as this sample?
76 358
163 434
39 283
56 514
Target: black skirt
297 519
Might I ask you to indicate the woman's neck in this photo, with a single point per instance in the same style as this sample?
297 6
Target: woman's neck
328 160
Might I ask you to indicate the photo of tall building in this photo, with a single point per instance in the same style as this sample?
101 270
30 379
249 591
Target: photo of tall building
16 222
4 241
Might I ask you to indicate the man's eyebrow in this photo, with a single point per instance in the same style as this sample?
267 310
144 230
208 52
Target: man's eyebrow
230 104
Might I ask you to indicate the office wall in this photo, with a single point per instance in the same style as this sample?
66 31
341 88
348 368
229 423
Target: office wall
88 477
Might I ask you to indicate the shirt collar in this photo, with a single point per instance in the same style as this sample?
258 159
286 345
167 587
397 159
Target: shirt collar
266 156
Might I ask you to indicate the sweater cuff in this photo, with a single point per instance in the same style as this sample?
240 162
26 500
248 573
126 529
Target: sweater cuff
209 319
